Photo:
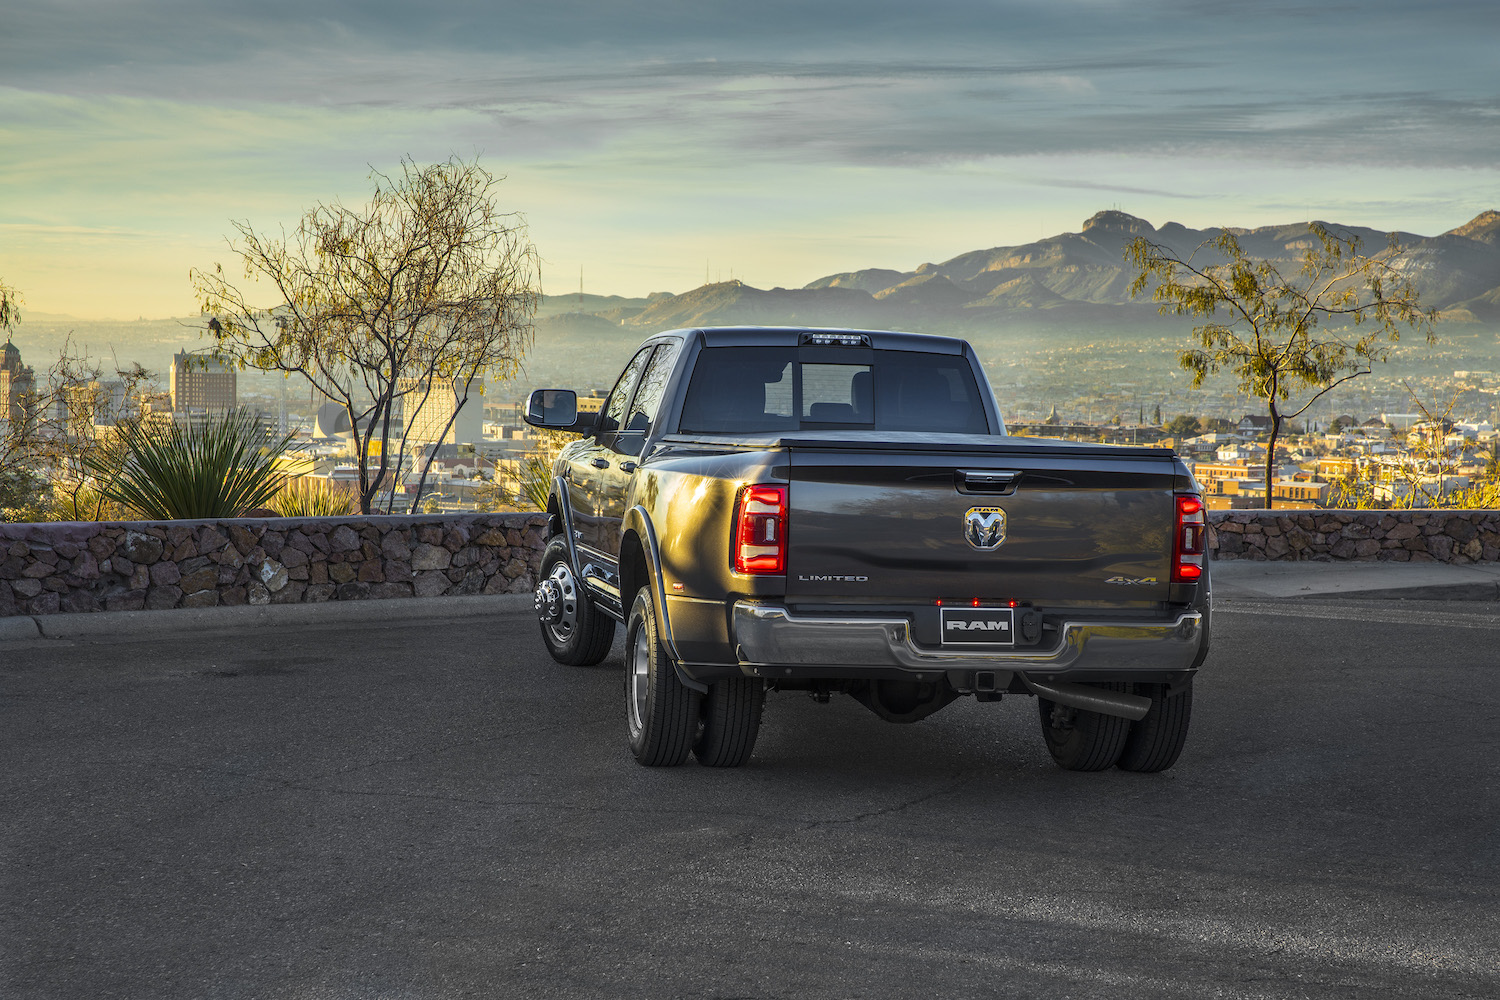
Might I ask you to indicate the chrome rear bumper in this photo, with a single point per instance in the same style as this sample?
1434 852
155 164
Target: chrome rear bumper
769 635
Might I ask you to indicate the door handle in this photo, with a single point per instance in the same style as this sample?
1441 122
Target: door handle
988 481
627 466
599 463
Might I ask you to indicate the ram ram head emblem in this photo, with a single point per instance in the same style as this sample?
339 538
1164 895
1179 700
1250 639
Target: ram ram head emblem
984 527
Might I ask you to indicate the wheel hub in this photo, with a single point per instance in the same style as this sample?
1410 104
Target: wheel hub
548 602
638 681
557 600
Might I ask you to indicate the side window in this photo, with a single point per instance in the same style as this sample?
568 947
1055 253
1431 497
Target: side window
619 397
653 386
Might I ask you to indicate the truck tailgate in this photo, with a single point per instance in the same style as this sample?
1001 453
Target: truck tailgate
894 524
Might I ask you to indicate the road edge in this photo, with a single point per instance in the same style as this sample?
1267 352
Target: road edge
135 624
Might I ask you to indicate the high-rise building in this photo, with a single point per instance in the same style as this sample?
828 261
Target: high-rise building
426 418
202 384
17 389
97 404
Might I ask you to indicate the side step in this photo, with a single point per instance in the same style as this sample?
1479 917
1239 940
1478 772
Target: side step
1091 699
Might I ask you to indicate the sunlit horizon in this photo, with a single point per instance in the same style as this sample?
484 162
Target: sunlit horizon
651 152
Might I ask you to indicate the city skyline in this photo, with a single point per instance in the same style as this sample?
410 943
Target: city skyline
651 148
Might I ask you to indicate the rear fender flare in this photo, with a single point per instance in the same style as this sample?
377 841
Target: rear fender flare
638 527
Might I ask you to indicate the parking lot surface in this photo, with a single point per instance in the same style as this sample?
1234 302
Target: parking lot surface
435 809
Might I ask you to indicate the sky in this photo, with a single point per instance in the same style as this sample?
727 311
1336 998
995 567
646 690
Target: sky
650 146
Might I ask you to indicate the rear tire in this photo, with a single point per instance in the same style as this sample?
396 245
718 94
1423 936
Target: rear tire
1083 741
731 721
1156 740
574 630
661 712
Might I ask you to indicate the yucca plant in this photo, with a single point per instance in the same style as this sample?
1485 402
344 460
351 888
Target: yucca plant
533 481
218 467
302 498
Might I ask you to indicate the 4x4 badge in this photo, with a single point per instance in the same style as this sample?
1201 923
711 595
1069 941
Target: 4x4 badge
984 527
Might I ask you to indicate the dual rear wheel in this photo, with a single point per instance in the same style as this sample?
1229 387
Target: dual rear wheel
667 719
1091 741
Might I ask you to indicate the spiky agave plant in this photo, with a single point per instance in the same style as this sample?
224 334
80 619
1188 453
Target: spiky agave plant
299 498
533 481
218 467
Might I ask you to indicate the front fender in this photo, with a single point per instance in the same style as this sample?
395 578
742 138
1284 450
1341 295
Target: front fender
564 515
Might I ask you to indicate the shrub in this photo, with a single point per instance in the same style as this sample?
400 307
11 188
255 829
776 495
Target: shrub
306 498
218 467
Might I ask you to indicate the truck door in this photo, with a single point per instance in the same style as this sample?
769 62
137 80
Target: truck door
595 490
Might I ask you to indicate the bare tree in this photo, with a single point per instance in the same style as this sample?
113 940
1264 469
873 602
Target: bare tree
1264 326
428 286
70 426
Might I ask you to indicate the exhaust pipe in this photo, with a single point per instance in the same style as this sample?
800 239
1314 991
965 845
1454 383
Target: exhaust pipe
1091 699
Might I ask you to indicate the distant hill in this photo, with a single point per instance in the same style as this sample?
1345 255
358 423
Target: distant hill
1067 279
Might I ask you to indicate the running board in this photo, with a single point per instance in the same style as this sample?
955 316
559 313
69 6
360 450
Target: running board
1091 699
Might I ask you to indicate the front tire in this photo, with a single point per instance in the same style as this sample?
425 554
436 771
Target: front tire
731 722
1080 740
661 711
1156 740
574 630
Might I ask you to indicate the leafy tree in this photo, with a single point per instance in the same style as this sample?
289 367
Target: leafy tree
427 287
10 306
1264 327
1183 426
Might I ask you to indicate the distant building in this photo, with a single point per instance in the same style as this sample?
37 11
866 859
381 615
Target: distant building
427 415
17 390
1402 421
1294 491
97 404
1252 423
1337 468
592 403
1228 477
201 384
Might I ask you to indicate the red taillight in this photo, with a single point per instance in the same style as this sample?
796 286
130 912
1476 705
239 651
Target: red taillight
760 531
1189 537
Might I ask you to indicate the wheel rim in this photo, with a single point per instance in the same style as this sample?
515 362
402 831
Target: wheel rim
639 679
559 587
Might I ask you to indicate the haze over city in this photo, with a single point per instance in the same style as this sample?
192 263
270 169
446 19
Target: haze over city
656 147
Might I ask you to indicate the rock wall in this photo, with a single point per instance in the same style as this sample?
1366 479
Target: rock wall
1450 536
129 566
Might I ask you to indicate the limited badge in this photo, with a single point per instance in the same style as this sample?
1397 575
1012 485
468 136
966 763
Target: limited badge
984 527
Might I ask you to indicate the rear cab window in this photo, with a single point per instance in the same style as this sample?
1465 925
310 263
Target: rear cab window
752 389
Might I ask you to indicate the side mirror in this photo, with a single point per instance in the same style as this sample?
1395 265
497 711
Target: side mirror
557 409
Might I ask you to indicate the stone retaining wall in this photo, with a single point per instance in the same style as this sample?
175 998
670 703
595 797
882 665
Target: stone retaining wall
1449 536
129 566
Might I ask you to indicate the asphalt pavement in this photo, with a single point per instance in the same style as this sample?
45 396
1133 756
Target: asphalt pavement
429 807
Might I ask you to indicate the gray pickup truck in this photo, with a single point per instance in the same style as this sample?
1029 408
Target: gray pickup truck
836 511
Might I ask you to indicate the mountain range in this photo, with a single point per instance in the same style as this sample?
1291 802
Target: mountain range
1068 279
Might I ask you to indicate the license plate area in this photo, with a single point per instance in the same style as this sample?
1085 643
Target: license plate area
978 626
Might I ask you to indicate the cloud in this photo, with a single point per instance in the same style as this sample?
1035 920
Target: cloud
669 126
1077 185
837 82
